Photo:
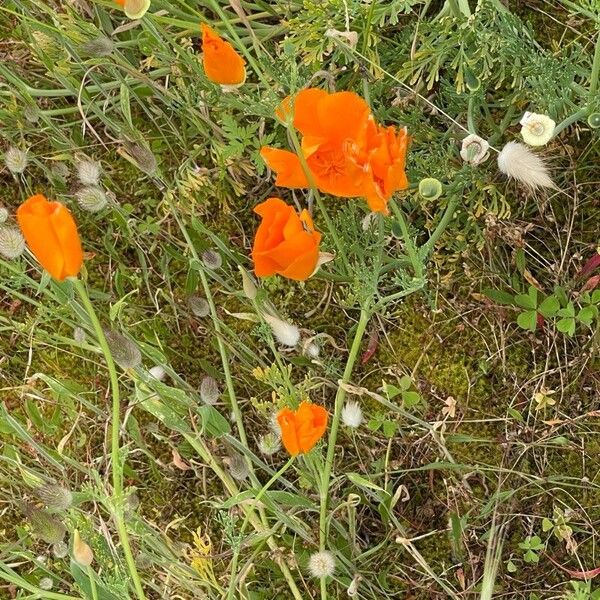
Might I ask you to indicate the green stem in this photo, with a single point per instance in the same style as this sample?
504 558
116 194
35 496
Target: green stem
441 227
455 8
313 186
92 578
410 246
117 472
580 114
333 433
236 553
595 71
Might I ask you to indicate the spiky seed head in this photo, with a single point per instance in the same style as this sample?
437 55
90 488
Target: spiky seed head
79 335
55 496
352 415
237 467
211 259
312 350
269 443
99 47
285 333
142 157
88 172
274 425
321 564
60 549
430 188
518 162
125 352
536 129
474 150
209 390
45 583
15 160
199 305
82 553
31 113
12 243
157 372
3 214
60 170
45 525
91 198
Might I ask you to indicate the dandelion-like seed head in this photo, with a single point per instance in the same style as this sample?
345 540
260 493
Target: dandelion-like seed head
274 425
15 160
88 172
31 113
269 443
474 150
46 583
518 162
209 391
536 129
157 372
321 564
211 259
12 243
60 549
285 333
198 305
312 350
93 199
352 415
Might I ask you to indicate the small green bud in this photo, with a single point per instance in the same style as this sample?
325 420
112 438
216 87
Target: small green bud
594 120
430 188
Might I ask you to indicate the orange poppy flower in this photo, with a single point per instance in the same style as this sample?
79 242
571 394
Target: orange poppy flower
222 64
348 155
51 234
303 428
285 243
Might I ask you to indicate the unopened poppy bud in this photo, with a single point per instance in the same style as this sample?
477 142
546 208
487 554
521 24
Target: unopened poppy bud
199 306
54 496
82 553
99 47
594 120
212 260
248 285
124 352
91 198
430 188
209 391
3 214
15 160
321 564
474 150
537 130
88 172
285 333
12 242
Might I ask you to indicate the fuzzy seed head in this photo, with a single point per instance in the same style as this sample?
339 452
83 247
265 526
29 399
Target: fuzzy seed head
93 199
312 350
209 391
474 150
45 525
3 214
125 352
142 157
212 260
98 47
237 466
54 496
199 306
285 333
537 130
518 162
352 415
321 564
12 243
60 549
158 372
82 553
31 113
15 160
88 172
45 583
269 443
79 335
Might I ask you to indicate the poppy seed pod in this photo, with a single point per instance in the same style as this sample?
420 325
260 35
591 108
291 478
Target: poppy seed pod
594 120
430 188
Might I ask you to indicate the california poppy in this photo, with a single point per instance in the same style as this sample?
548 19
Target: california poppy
51 234
222 64
348 155
134 9
303 428
286 242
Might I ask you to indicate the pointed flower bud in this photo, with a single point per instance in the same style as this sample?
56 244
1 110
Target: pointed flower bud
82 553
237 466
249 287
12 243
141 157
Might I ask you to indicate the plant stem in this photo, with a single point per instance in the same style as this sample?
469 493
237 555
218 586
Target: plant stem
335 424
117 471
441 227
92 578
595 71
410 246
311 182
580 114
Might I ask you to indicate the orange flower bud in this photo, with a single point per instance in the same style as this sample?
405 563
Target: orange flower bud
303 428
51 234
222 64
285 242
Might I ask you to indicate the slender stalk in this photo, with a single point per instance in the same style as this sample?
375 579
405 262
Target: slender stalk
595 76
92 578
415 261
236 553
333 433
580 114
117 470
441 227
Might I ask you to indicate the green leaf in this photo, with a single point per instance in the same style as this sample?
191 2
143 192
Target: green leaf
568 311
596 296
411 399
528 320
213 422
561 295
587 314
526 301
405 382
363 482
520 260
547 524
391 391
549 307
83 581
515 414
566 325
389 428
499 296
511 567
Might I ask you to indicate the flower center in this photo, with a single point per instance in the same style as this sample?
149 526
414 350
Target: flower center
329 163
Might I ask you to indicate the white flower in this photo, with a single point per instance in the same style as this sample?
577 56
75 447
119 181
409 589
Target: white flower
352 415
12 244
269 443
285 333
520 163
92 199
537 130
88 172
158 372
321 564
474 150
15 160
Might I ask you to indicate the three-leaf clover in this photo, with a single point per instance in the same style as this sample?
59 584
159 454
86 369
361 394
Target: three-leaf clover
531 546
